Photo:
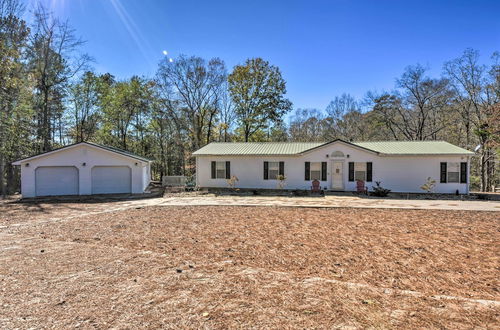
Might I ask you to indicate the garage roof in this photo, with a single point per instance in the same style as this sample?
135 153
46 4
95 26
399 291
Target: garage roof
107 148
296 148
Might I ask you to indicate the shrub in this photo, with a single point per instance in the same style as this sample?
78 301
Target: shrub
232 182
379 191
429 185
281 181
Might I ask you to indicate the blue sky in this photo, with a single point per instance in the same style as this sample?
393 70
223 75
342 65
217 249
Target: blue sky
323 48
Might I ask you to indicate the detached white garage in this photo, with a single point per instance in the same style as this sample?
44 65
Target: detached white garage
84 169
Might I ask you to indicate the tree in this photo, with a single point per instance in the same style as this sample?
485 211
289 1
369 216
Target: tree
84 97
476 101
307 125
345 120
53 62
418 109
227 115
197 85
15 93
125 104
257 90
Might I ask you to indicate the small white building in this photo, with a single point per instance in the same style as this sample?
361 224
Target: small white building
402 166
84 169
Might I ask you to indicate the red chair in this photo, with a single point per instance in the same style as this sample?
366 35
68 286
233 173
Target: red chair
316 186
361 188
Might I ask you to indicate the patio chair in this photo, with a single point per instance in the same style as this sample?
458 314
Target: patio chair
316 186
361 188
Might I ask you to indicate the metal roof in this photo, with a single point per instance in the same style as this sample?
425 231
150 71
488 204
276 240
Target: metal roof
256 148
295 148
414 148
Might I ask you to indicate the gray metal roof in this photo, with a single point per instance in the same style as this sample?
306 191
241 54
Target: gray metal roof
295 148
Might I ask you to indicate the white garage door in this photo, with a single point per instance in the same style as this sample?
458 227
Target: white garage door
111 180
56 180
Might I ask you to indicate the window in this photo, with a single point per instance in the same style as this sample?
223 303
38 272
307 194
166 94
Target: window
221 170
359 171
273 169
316 171
454 172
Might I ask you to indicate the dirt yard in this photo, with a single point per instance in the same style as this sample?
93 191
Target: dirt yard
260 267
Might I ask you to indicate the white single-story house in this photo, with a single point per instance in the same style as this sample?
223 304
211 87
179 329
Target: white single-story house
402 166
84 169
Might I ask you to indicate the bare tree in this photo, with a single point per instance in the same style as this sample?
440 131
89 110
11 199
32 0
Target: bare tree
345 118
307 125
418 109
197 84
227 114
53 61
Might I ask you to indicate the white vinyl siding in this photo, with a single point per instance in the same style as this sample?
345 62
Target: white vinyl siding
220 170
359 171
315 171
453 172
274 170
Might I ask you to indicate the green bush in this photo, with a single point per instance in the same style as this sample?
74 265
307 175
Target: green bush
379 191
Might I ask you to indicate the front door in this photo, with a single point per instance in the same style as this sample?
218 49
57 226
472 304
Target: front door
337 175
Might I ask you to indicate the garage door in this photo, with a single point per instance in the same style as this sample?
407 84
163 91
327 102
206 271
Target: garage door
56 180
111 180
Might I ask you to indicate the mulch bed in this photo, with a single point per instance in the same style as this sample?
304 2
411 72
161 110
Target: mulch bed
220 267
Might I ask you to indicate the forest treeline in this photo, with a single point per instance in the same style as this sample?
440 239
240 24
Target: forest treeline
50 97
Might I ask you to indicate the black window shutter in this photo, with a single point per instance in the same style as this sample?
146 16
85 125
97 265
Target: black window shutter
323 171
282 168
443 173
369 172
463 172
307 175
351 171
213 170
228 170
266 170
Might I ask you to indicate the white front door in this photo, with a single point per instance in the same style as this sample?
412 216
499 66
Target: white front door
337 175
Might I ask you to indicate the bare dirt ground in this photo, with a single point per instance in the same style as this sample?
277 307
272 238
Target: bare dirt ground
261 267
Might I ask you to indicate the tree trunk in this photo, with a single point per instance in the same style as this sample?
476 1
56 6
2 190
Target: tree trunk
482 160
2 175
46 123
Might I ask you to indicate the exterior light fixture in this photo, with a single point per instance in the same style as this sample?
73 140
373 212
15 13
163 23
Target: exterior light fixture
27 165
83 164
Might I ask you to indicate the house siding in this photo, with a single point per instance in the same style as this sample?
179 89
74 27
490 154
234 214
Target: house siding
398 173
